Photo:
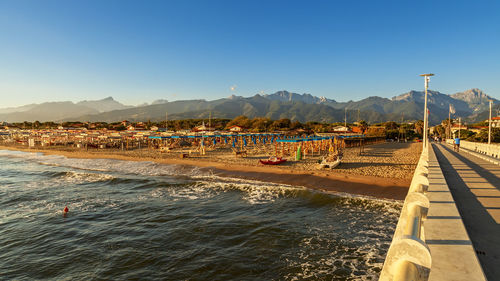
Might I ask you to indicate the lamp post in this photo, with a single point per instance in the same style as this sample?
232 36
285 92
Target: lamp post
449 121
459 126
426 112
489 126
345 118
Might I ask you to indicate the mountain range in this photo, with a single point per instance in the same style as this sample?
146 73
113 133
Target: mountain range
472 105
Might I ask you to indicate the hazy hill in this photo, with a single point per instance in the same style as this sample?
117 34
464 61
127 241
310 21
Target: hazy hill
147 112
256 106
107 104
304 107
17 109
469 104
48 111
55 111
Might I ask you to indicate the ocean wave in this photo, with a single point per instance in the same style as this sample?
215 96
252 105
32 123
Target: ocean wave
65 178
144 168
284 232
78 177
351 259
256 192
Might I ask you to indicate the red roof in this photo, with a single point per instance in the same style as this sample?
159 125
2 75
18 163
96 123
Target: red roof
357 129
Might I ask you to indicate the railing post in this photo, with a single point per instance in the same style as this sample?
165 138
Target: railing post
407 271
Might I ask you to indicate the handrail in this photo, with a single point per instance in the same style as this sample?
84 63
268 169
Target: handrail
409 257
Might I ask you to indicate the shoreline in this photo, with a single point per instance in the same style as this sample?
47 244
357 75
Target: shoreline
377 187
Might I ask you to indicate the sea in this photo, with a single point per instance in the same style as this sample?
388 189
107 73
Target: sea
147 221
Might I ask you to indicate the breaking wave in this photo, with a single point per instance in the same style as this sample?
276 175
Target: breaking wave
174 222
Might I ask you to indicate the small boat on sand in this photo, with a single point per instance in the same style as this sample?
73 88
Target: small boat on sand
329 164
331 161
273 161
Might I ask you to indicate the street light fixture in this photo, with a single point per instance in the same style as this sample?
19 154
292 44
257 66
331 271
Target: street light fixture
489 126
427 78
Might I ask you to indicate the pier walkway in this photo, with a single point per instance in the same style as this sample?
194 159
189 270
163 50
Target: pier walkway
475 186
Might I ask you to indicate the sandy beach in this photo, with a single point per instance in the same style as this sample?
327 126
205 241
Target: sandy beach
381 170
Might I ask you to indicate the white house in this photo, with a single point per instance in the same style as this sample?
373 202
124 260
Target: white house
341 129
235 128
495 122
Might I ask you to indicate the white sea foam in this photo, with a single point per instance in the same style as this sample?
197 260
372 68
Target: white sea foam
78 177
193 191
70 177
354 256
107 165
256 192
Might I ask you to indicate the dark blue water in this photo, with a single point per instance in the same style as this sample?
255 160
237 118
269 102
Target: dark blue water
141 220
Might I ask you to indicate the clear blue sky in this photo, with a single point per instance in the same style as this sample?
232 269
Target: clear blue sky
139 51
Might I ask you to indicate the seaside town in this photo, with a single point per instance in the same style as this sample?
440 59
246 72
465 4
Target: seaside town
250 142
108 135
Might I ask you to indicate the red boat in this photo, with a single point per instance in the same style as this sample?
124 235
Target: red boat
273 161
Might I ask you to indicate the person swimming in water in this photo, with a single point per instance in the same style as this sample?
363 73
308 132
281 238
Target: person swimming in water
65 211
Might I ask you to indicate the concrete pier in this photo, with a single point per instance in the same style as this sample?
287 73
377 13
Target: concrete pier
431 241
453 255
475 186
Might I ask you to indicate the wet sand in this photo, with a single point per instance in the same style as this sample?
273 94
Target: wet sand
381 171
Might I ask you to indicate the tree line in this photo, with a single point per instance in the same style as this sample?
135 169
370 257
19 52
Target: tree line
258 124
478 135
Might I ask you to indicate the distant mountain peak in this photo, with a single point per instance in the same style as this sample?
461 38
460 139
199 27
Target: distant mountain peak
160 101
416 95
234 97
473 95
103 105
285 96
476 98
107 99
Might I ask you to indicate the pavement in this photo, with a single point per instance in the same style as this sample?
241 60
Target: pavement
475 187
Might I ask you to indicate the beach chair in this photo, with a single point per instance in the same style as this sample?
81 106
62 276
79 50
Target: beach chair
240 153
